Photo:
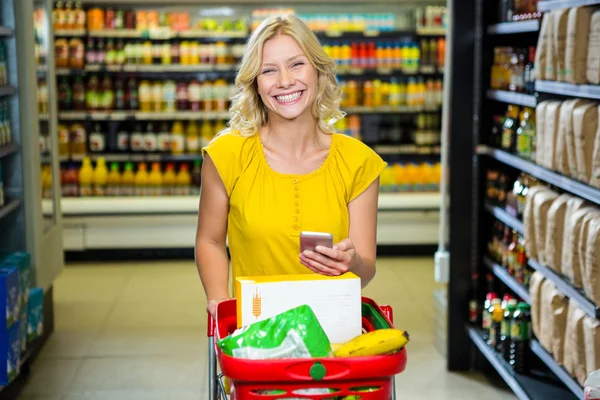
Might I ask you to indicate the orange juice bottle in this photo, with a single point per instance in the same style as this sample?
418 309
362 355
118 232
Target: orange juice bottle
346 55
113 181
127 181
352 100
368 94
377 95
192 139
206 132
155 180
86 173
397 56
141 180
183 181
100 177
168 180
387 179
177 138
219 126
46 182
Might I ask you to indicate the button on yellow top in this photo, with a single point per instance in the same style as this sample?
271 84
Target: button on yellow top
295 181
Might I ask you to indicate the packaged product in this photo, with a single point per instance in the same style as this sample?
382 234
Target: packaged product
591 266
561 19
550 134
540 112
577 44
593 53
591 335
546 321
565 134
535 291
550 73
595 178
559 305
574 359
295 333
541 204
585 126
573 205
529 227
542 46
584 236
555 231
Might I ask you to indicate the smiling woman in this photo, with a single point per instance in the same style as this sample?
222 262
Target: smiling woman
280 169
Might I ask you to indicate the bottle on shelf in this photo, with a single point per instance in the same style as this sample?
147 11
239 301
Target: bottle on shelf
183 181
178 138
526 134
529 72
150 139
155 180
520 335
196 178
70 182
79 97
141 180
168 180
137 138
77 140
474 305
100 177
505 340
496 315
164 139
192 139
113 181
127 184
509 129
97 139
486 317
86 173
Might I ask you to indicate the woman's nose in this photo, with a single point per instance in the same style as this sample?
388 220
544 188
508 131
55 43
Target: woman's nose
286 79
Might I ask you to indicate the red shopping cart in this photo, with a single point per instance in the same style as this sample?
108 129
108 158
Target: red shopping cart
368 378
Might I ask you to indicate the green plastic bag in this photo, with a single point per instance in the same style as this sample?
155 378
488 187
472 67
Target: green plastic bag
296 333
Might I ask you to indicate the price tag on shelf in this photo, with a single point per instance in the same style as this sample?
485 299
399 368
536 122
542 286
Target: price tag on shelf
384 70
372 33
333 33
161 34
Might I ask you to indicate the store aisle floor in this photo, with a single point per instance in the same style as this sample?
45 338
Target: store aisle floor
137 331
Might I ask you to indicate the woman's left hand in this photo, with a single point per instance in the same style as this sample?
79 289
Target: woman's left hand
331 261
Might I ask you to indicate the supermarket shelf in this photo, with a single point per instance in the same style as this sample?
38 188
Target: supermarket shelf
568 89
139 115
159 68
505 217
512 98
524 387
115 157
362 34
406 149
9 207
6 32
182 115
189 204
70 33
8 149
425 70
504 276
7 90
390 109
548 5
567 288
577 188
558 370
507 28
431 31
162 34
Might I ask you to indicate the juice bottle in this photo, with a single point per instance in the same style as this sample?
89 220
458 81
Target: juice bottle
119 95
195 52
127 181
155 180
92 99
78 94
70 186
147 53
100 177
169 94
376 93
380 55
362 55
78 139
194 95
76 53
368 94
346 54
196 178
150 139
192 139
108 95
132 100
411 93
85 178
184 53
168 180
394 93
110 55
58 16
166 54
182 96
137 143
97 140
520 335
63 140
164 138
113 181
220 91
221 50
80 19
206 132
46 179
219 126
141 180
336 54
145 96
156 97
177 138
183 181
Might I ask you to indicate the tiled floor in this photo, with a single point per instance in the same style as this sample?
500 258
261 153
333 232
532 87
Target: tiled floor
138 332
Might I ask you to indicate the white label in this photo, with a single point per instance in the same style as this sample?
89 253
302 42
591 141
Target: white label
177 143
137 142
97 142
164 141
192 143
150 142
123 141
126 190
85 190
140 190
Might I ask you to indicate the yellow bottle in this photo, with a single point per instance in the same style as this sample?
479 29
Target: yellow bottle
192 139
127 181
206 132
100 177
147 53
183 181
177 138
168 181
46 182
155 180
219 126
346 55
86 173
377 98
394 95
141 180
113 181
411 93
387 179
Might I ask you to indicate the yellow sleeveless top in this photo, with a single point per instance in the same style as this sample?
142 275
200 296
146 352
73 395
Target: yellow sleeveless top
268 210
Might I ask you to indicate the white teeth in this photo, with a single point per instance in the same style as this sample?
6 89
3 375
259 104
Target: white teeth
288 97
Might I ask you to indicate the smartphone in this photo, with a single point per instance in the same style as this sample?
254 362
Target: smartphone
310 240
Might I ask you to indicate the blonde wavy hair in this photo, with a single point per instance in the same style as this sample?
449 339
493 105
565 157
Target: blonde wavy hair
248 112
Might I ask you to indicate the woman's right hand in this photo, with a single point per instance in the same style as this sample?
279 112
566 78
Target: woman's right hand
211 307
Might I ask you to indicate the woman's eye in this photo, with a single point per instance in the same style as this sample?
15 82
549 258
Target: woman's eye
296 64
266 71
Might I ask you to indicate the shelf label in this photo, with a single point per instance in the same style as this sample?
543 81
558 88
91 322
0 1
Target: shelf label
371 33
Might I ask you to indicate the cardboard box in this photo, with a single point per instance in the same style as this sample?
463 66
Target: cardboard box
10 354
9 296
336 301
23 315
35 314
22 261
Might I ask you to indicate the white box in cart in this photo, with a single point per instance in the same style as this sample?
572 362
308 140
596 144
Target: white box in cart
336 301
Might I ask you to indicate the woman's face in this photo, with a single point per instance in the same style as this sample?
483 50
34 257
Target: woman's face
287 81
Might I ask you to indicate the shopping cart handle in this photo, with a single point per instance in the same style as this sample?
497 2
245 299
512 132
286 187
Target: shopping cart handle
211 326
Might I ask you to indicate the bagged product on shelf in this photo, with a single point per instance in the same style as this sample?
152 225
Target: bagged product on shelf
584 234
555 231
558 307
591 262
570 136
529 221
535 291
595 174
561 19
540 112
574 359
571 267
573 205
541 204
550 73
593 53
542 46
577 44
546 322
550 134
591 336
565 142
585 126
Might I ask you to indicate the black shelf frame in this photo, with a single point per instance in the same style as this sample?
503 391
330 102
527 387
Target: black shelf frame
9 207
505 217
8 149
520 99
508 28
511 282
568 89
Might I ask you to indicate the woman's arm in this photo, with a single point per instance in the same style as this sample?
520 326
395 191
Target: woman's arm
357 253
211 233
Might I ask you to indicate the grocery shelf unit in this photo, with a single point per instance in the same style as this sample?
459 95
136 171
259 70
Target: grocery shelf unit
106 224
472 217
22 225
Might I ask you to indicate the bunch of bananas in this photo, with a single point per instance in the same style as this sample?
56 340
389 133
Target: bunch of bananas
375 343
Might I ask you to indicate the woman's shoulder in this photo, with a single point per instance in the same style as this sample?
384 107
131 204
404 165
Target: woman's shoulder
229 143
353 149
